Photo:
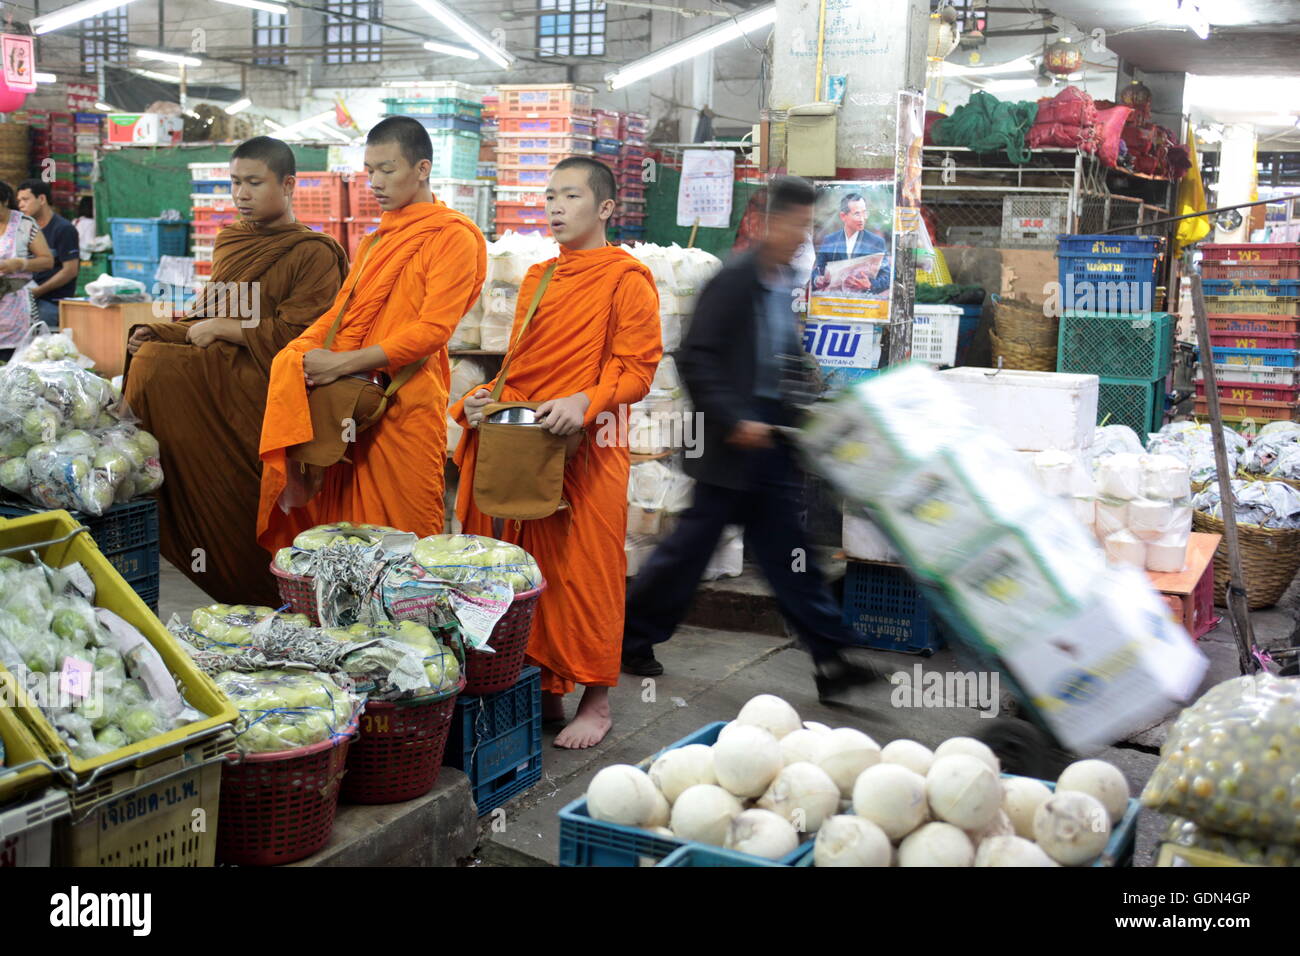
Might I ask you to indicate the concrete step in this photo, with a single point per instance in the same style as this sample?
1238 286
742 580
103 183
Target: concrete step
746 603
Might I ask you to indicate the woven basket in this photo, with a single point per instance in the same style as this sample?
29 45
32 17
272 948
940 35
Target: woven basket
1270 559
398 753
1019 322
1286 481
1023 357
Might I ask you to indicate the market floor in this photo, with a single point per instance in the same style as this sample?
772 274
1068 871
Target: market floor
711 670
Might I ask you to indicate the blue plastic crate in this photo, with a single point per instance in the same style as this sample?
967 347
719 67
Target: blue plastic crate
1269 358
1107 284
449 122
148 238
698 855
608 147
588 842
148 594
208 187
1289 287
1119 849
886 611
966 328
142 270
1109 245
496 739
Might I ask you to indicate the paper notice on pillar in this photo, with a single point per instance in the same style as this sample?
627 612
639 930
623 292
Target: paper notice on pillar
707 183
853 236
907 169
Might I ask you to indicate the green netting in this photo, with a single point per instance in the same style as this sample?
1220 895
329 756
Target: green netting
661 215
986 124
140 182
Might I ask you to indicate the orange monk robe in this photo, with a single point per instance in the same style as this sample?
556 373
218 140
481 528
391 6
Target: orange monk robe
205 405
578 632
414 282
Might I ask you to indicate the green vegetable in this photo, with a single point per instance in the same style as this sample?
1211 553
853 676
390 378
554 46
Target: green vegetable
112 737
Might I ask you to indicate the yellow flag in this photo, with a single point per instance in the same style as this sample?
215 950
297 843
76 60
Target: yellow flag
1191 198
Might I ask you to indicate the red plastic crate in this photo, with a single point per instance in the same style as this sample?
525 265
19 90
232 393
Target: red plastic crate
1196 610
547 125
1255 340
521 159
1252 251
361 201
512 176
1259 411
514 214
209 214
321 197
1228 269
503 227
357 229
331 227
203 267
1250 392
608 124
1255 323
538 100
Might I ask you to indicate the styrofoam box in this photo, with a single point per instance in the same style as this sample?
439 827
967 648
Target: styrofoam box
1031 411
865 542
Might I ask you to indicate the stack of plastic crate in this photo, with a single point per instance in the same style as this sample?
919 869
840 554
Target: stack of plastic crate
54 140
1252 302
212 209
89 129
629 217
1109 329
539 125
320 202
487 154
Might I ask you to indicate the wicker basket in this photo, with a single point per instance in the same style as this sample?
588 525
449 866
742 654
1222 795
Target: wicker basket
1023 357
1270 559
298 591
1023 323
1247 476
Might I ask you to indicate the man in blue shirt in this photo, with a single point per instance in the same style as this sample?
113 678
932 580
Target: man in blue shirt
34 198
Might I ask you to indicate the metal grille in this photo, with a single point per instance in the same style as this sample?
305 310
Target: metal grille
1135 404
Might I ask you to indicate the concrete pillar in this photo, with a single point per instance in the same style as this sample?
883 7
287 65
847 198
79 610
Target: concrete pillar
1236 177
1167 90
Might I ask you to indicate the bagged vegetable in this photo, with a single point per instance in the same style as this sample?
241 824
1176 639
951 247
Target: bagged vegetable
441 666
461 558
1186 833
1229 763
1194 445
1266 504
302 556
287 709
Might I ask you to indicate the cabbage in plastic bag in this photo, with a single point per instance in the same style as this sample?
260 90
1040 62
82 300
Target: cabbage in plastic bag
227 628
458 558
441 666
286 709
1231 761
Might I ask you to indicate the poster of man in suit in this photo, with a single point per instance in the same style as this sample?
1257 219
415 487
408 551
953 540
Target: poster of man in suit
853 239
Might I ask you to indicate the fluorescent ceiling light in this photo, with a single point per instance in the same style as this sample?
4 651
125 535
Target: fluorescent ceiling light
343 137
74 14
46 78
296 128
1018 65
276 8
467 32
274 125
449 49
160 77
168 57
1196 21
692 47
242 103
106 108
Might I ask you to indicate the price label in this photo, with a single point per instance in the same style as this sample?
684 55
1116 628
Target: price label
74 679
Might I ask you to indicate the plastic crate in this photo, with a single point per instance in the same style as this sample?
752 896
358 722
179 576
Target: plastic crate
966 329
320 196
435 106
496 739
1196 610
510 176
203 268
523 196
1107 283
542 100
148 238
26 765
1254 323
221 202
1255 340
700 855
524 230
358 229
149 821
467 196
545 143
1105 246
361 201
204 187
631 193
1251 251
531 160
607 147
588 842
1258 411
607 124
1122 345
531 125
1272 358
512 215
1237 271
886 611
1250 287
455 154
1034 220
1252 374
934 334
142 270
334 228
1238 392
1252 305
27 830
462 123
201 171
1138 404
113 593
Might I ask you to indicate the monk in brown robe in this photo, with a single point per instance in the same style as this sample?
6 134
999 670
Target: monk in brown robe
590 351
199 384
413 280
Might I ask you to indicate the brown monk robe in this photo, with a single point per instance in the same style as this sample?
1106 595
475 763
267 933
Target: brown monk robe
205 405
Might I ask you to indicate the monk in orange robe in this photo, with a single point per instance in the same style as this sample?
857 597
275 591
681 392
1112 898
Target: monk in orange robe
591 350
412 281
199 384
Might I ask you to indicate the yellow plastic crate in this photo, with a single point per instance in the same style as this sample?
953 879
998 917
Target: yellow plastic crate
1171 854
55 538
20 748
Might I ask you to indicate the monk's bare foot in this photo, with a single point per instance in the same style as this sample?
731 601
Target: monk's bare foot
552 707
590 725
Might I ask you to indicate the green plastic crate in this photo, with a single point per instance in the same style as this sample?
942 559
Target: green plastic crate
1136 403
1135 345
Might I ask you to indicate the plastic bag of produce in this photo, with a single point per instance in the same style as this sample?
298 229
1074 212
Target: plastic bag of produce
1194 445
461 558
1229 763
439 662
302 556
1267 504
227 628
1186 833
287 709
